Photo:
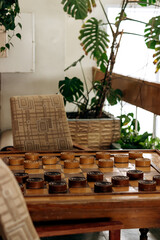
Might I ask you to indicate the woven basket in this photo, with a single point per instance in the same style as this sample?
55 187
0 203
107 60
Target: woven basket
95 133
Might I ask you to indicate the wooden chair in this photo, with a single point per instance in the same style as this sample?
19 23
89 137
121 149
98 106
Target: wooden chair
39 123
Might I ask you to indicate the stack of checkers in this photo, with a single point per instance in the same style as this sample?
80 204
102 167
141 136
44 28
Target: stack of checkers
67 170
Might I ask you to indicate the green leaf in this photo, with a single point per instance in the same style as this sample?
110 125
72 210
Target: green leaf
76 8
145 3
2 49
18 35
102 62
113 96
7 45
71 89
94 40
20 25
152 33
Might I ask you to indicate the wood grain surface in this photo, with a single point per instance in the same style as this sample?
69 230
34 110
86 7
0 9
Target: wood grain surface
127 205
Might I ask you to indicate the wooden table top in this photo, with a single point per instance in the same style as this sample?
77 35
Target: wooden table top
134 208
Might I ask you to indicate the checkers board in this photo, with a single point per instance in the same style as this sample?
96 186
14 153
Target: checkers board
121 202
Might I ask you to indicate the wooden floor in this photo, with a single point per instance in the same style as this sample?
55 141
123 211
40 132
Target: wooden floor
131 234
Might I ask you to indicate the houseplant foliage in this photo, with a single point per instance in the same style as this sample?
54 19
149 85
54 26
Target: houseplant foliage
130 135
99 45
9 10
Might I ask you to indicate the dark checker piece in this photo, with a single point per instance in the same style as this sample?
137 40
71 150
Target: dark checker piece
102 187
94 176
146 185
77 182
58 187
135 174
52 176
120 181
35 183
21 177
157 179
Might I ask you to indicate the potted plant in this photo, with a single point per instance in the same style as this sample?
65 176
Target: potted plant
131 137
86 129
9 10
104 49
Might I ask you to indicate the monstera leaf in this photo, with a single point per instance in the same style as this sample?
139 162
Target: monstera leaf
78 8
71 89
93 38
152 33
145 3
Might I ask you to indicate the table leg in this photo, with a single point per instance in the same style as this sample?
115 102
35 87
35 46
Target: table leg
114 235
143 232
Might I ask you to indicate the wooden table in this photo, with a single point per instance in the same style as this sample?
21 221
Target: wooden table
133 208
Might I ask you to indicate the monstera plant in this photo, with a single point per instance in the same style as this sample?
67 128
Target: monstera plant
9 10
103 48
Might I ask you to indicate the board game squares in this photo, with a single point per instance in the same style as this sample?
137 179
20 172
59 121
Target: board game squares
72 171
57 166
80 190
42 191
84 164
34 171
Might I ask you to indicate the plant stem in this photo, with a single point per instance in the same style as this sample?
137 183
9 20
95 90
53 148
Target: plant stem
106 16
107 80
84 78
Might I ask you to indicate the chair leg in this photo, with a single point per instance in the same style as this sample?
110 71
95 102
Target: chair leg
15 221
114 235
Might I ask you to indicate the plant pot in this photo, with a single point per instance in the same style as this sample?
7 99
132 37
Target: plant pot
95 133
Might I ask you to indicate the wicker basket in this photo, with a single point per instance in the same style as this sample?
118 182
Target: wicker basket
95 133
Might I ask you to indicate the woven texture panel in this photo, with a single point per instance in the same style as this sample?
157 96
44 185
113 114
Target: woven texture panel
15 223
95 133
39 123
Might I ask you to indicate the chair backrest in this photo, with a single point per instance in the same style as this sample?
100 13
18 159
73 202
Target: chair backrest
39 123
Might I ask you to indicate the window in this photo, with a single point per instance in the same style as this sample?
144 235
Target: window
135 60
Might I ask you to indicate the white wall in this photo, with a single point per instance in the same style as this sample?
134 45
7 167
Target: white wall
57 46
49 56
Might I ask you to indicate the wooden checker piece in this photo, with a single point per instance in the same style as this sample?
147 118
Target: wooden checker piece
70 164
146 185
67 156
157 179
102 155
31 164
134 155
32 156
21 187
15 161
57 187
101 187
121 158
34 183
135 174
95 176
77 182
49 160
121 181
52 176
142 162
21 177
87 160
105 163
